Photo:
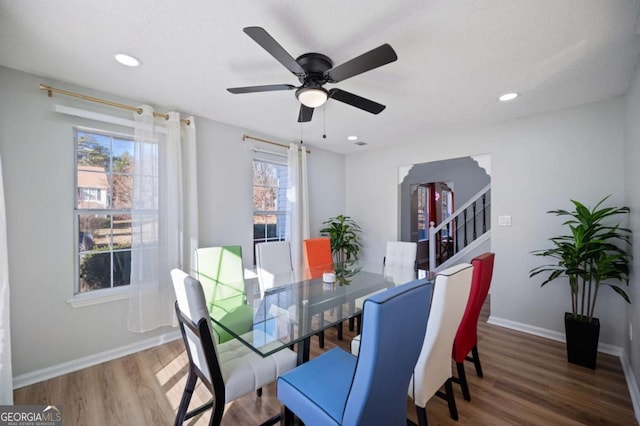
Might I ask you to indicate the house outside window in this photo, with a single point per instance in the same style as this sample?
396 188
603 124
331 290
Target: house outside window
104 165
271 211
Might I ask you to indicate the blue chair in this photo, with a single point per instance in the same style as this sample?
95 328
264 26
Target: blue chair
337 388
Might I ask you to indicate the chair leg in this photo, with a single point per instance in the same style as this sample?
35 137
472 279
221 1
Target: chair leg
352 322
216 416
359 324
321 334
286 418
462 379
422 415
451 399
274 420
186 398
339 325
476 360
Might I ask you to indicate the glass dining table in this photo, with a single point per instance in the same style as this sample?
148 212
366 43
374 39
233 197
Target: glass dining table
280 311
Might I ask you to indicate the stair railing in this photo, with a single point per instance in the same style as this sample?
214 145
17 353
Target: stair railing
443 246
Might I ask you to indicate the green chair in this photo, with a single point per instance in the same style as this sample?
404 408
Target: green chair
220 271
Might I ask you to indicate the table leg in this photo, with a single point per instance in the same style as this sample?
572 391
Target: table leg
303 350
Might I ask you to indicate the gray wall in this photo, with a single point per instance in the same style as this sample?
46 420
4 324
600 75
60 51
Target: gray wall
537 164
632 199
468 178
225 176
37 149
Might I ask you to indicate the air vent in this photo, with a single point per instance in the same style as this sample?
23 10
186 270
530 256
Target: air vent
360 143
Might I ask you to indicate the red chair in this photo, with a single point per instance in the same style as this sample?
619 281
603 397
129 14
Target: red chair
467 336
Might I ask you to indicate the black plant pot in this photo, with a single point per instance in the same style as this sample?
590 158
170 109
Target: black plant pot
582 340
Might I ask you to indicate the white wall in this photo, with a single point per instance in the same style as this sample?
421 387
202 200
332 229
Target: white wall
225 176
632 199
538 164
37 150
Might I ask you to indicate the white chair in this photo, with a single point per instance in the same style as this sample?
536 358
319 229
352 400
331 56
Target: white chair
433 369
273 264
399 275
275 268
229 370
399 266
400 254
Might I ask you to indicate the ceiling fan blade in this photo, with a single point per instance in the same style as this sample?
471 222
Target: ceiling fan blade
375 58
268 43
267 88
356 101
305 114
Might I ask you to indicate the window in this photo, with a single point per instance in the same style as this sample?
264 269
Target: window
104 165
270 207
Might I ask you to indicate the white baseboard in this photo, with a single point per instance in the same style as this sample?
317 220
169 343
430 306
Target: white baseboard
549 334
634 391
91 360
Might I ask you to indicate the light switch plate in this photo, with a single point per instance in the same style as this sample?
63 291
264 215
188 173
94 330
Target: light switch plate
504 220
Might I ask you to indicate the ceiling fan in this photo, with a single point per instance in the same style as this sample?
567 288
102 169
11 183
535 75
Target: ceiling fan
314 70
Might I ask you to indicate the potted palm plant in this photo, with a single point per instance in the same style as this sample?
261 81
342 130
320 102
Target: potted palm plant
344 234
594 254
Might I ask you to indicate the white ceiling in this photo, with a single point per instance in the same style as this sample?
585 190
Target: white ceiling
455 57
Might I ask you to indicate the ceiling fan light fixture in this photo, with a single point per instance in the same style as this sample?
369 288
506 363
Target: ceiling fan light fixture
312 97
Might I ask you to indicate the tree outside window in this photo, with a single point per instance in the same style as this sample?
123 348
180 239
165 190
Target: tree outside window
270 206
104 167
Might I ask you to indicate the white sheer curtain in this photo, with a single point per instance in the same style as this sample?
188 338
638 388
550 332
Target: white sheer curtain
6 375
164 219
298 197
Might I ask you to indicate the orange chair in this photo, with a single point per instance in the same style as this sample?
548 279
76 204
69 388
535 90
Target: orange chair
317 257
317 260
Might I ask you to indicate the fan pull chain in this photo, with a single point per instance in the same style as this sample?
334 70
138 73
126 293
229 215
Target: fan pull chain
324 118
300 133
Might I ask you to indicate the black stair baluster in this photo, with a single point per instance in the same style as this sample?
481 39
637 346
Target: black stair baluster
465 228
484 212
455 220
474 222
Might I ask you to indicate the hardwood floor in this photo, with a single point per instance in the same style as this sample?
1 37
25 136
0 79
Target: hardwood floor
527 381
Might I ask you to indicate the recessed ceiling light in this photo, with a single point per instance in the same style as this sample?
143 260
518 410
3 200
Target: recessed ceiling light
127 60
352 138
508 97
